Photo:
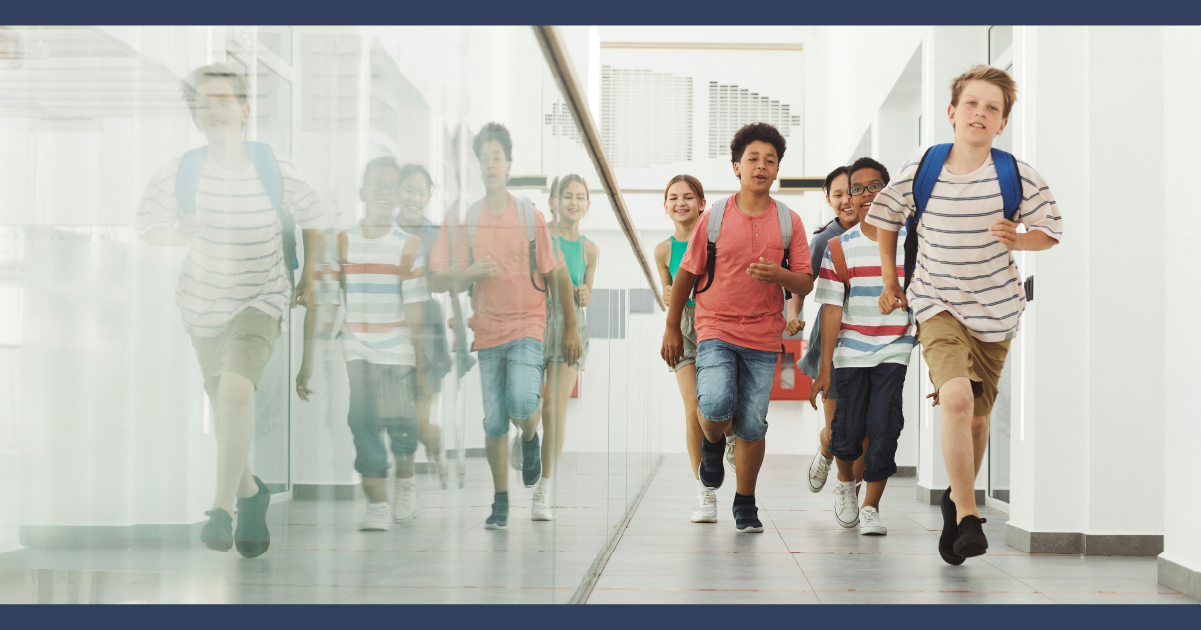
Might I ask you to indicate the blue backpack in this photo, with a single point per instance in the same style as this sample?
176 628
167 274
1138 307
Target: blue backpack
927 175
187 181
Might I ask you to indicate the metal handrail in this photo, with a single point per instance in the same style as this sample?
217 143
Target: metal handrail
560 65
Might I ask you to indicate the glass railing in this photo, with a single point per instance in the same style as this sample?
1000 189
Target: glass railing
307 295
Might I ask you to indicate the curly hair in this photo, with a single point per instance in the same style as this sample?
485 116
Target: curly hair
493 131
756 131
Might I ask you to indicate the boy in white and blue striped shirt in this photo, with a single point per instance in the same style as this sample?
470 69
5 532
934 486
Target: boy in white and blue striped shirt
867 353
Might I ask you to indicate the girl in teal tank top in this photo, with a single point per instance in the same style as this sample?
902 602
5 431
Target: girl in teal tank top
569 205
684 201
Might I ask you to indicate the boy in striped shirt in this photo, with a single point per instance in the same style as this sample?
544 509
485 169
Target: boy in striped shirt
966 293
234 288
869 353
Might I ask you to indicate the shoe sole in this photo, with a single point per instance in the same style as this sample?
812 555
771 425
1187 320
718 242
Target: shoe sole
873 531
374 527
846 525
541 517
217 546
750 530
402 521
972 550
495 526
817 489
704 519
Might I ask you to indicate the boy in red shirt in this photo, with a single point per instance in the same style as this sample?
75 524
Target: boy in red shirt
739 311
492 255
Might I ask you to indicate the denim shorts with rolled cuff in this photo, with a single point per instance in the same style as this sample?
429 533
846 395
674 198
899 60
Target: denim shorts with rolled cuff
733 382
871 405
511 383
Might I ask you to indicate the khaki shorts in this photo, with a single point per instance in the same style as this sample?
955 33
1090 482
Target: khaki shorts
552 338
688 327
243 347
951 352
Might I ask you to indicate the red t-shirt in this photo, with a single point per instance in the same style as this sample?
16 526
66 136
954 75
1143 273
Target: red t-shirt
506 306
737 308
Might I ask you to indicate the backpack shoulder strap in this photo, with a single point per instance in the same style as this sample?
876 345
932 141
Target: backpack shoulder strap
840 261
716 212
1011 184
473 221
926 176
187 178
785 216
527 212
268 171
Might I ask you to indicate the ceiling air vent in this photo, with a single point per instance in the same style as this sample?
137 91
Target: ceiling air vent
646 117
731 107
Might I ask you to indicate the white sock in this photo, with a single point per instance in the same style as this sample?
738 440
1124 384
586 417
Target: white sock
730 438
543 484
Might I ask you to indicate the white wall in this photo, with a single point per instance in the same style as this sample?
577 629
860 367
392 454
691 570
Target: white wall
1182 432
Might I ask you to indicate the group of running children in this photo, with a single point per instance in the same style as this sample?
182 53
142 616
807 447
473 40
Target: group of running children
734 278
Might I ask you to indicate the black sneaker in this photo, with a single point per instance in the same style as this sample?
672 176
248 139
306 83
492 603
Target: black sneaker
252 536
712 470
746 518
500 513
971 540
946 542
218 533
531 462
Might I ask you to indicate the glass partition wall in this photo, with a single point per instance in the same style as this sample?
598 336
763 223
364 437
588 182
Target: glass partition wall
320 263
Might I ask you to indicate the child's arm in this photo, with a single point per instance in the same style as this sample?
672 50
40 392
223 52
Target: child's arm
561 280
591 256
892 295
306 362
662 255
1006 232
673 338
314 249
795 323
831 323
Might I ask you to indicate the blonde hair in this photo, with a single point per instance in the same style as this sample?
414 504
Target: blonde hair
988 74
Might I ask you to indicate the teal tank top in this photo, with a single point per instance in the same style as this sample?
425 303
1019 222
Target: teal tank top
677 254
573 254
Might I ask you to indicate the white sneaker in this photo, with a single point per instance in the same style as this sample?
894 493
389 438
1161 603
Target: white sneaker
706 505
819 470
516 461
730 452
870 523
404 503
540 508
375 519
846 504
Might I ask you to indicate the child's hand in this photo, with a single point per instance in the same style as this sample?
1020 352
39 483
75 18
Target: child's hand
482 270
891 295
794 326
673 346
583 295
302 381
821 385
571 346
766 271
1006 233
667 294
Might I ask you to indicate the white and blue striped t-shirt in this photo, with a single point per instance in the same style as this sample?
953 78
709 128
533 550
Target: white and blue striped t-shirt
236 261
379 283
866 338
960 267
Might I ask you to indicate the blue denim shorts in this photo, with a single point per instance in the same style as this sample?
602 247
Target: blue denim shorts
735 382
870 405
382 398
511 380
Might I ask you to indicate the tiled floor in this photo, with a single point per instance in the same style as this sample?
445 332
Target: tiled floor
804 556
445 556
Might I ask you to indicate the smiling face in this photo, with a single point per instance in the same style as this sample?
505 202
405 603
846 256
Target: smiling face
978 117
840 200
217 109
494 166
573 202
758 167
380 195
414 197
682 204
862 181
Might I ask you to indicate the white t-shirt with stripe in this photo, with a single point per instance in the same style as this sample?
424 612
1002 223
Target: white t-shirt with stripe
374 329
960 268
236 261
866 338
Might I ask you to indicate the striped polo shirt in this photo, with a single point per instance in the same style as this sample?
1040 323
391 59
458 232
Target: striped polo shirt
236 261
372 269
961 269
866 338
